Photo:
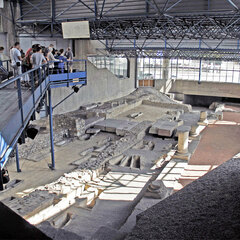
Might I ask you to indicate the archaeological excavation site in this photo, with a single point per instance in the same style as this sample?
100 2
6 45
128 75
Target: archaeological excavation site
119 120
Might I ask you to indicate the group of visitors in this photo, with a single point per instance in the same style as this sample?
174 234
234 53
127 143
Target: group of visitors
36 56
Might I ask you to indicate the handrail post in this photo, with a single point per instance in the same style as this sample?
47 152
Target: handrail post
17 159
51 128
8 69
20 104
86 70
1 180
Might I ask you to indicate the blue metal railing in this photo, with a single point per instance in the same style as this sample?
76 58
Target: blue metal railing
40 81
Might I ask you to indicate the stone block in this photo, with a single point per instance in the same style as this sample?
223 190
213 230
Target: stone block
90 122
125 127
163 128
184 128
190 118
88 107
93 131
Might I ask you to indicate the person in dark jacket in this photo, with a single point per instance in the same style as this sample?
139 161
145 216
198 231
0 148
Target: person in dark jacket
63 59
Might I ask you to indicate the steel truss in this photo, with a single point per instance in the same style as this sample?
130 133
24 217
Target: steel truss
187 53
184 27
160 19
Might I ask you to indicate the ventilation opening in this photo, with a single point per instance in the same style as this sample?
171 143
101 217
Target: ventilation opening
136 162
129 162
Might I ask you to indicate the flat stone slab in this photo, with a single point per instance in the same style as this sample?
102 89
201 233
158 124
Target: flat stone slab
125 127
120 127
163 128
184 128
109 125
93 131
90 122
190 119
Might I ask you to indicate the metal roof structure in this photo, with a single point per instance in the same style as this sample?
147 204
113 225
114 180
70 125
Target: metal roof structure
127 26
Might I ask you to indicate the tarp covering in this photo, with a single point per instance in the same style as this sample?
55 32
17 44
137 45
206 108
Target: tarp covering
5 151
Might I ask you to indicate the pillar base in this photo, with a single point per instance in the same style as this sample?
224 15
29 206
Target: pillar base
193 137
183 156
205 123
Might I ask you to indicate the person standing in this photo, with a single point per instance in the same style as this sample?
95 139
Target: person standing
62 59
3 71
51 59
69 55
16 60
29 54
37 60
1 53
46 51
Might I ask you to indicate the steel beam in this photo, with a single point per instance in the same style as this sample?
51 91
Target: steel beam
51 129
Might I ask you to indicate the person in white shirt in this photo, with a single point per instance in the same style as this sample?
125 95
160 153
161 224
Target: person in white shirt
51 59
16 60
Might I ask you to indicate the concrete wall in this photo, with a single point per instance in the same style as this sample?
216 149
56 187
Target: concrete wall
7 29
102 86
84 48
229 90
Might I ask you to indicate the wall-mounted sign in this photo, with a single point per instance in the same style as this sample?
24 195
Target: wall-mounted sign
76 30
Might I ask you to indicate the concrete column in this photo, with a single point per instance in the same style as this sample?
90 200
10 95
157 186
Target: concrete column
194 131
183 135
203 118
183 142
165 72
164 84
81 48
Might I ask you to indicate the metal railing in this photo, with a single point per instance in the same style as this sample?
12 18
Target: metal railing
29 96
